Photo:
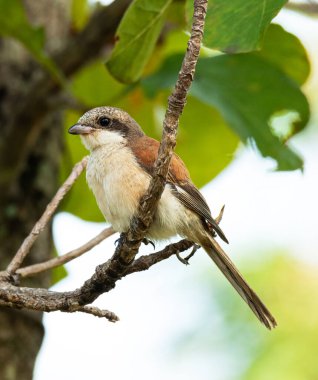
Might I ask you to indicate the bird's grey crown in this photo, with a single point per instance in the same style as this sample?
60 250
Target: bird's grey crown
120 120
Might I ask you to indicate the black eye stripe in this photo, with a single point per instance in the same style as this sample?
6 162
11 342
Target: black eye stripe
112 125
103 121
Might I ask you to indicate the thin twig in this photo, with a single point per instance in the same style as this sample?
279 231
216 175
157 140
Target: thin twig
31 270
310 8
46 216
101 313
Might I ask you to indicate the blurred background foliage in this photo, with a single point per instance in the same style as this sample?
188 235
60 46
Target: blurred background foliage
232 333
236 98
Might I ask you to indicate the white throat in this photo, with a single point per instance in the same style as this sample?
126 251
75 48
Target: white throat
102 138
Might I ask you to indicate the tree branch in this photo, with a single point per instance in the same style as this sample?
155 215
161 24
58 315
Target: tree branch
122 261
145 262
31 270
46 216
93 310
69 302
88 309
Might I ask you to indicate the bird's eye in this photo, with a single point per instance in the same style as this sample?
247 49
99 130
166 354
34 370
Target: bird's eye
104 121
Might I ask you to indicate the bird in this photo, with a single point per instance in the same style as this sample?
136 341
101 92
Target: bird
119 170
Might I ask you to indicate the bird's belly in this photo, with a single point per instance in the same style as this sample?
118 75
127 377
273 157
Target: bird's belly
120 202
121 199
170 217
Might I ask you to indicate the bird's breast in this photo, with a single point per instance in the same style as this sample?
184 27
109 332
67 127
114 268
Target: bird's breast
118 183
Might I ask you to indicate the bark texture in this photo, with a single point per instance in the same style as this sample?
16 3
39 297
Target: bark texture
23 199
30 150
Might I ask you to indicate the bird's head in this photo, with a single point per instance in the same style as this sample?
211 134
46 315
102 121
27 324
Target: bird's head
106 125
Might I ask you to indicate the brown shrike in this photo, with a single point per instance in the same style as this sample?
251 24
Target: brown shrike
119 170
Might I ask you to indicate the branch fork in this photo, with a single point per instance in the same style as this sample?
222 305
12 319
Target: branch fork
123 261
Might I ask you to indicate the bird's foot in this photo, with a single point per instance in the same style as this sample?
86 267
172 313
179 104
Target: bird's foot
185 260
144 240
147 241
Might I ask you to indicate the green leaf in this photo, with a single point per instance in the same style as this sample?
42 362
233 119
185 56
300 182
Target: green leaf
237 26
205 143
57 273
248 91
279 44
136 38
79 13
94 86
13 23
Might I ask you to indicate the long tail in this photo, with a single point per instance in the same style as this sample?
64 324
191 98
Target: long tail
236 279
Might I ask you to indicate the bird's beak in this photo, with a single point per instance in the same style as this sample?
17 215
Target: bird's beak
80 129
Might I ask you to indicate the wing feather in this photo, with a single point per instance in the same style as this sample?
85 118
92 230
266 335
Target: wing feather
146 152
190 197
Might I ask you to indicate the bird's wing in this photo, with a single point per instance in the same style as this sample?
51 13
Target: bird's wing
190 197
146 149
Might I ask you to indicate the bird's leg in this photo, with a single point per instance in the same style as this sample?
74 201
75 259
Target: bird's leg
194 249
147 241
117 240
181 259
185 260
